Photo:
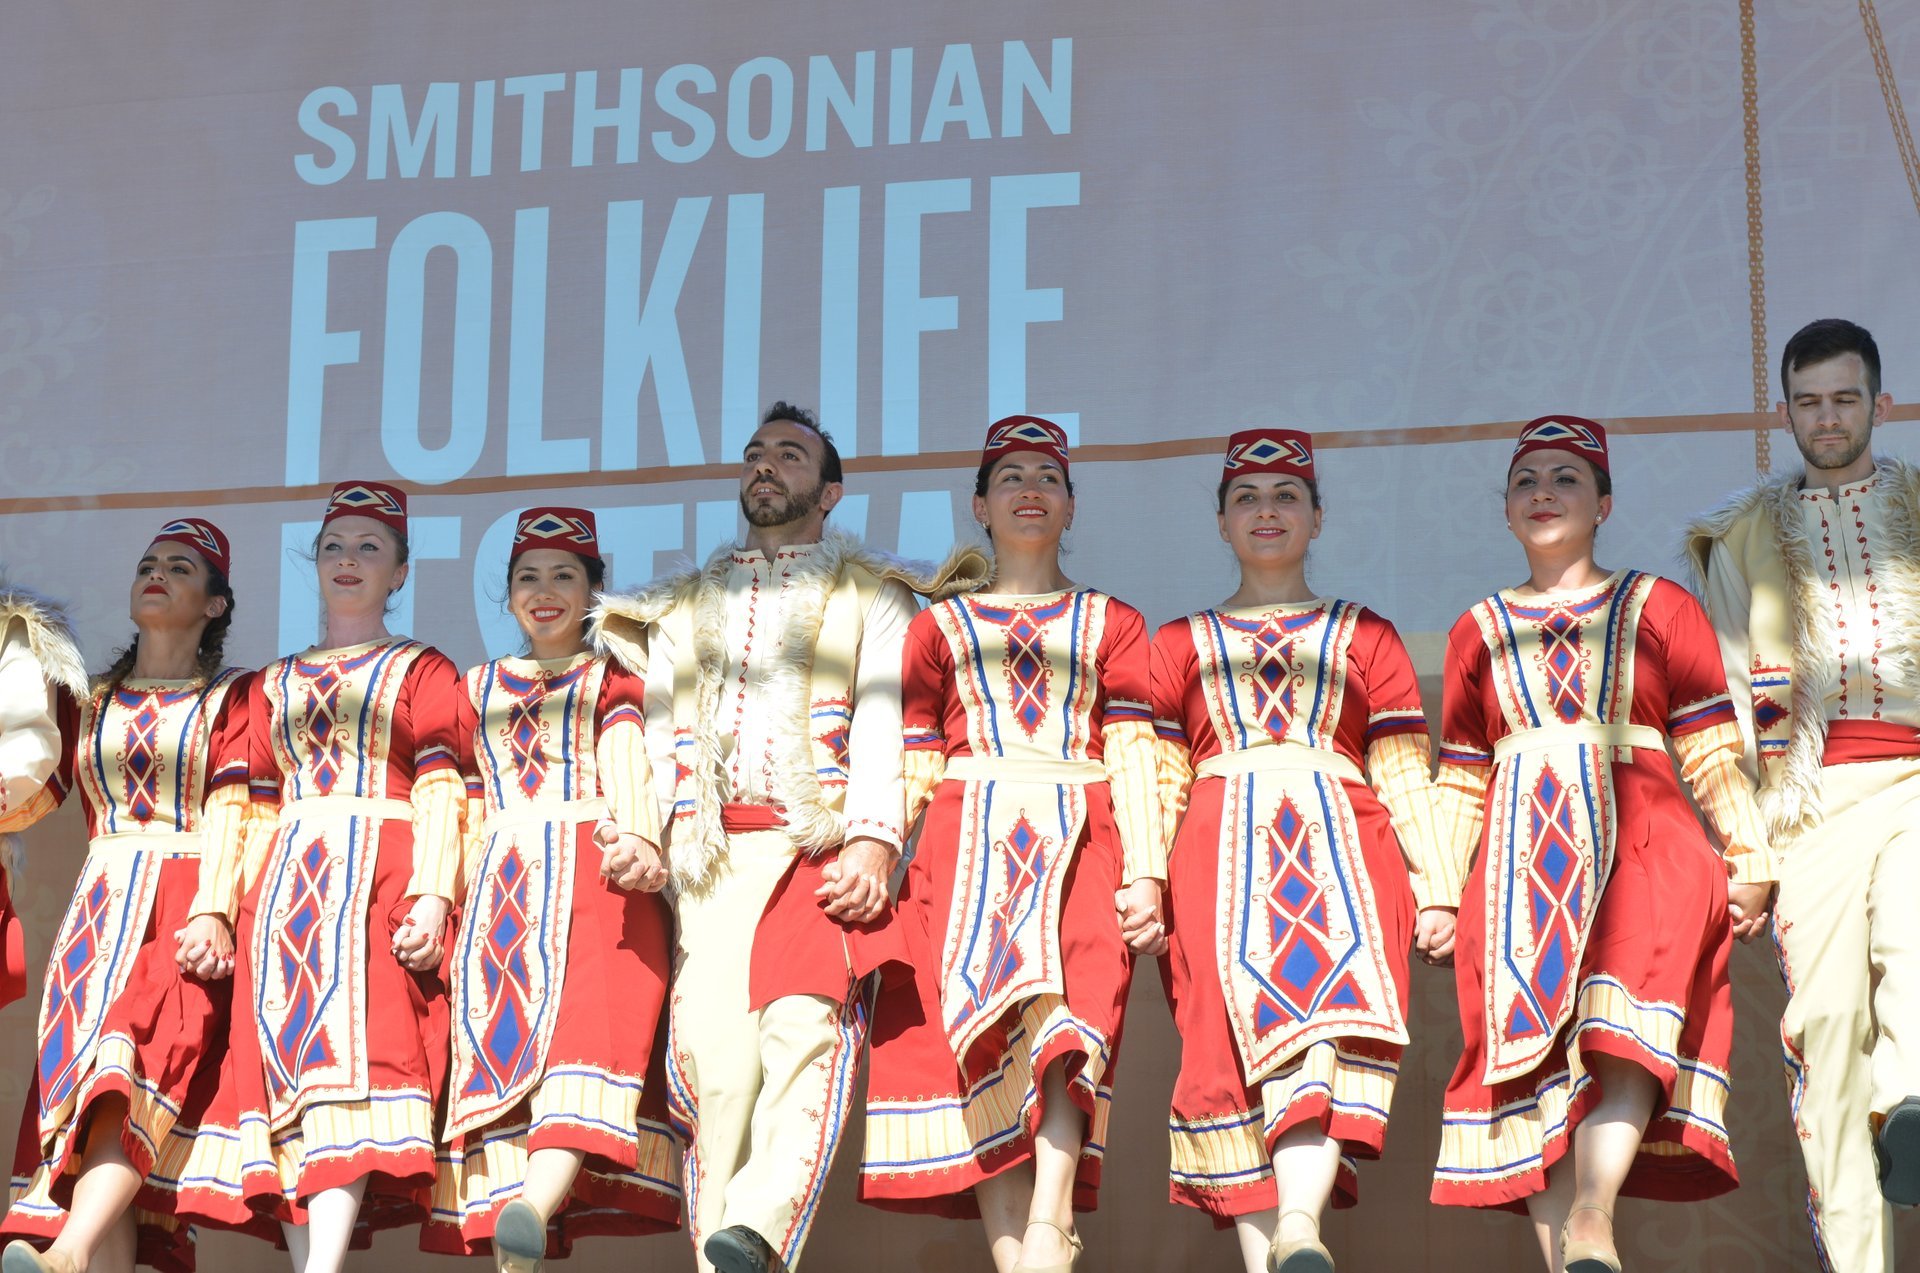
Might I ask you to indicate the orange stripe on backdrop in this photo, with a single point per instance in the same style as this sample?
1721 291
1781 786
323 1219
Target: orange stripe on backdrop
929 461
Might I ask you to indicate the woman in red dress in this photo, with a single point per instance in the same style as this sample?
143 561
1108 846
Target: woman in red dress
1027 724
1289 884
559 971
1596 919
133 1020
340 1039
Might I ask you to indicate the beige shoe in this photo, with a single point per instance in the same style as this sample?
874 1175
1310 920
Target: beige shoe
519 1239
1073 1240
1299 1255
20 1257
1588 1257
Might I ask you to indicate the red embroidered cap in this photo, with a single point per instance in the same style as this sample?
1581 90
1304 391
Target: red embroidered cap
553 526
1563 433
1025 433
385 504
1269 451
202 536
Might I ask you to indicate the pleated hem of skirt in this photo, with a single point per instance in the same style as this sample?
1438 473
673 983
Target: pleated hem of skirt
1684 1155
942 1183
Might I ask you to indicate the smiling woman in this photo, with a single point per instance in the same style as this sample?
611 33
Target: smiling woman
1595 920
354 759
555 1125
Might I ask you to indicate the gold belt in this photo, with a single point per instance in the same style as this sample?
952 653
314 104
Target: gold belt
1586 732
540 813
1286 756
1015 769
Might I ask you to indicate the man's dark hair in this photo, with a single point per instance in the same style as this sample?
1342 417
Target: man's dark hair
1826 338
829 453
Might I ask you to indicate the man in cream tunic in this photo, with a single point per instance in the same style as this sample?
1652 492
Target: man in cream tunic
38 659
1813 581
776 670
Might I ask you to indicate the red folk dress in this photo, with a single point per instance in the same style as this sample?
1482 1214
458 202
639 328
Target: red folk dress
1288 885
1594 918
559 977
339 1053
1027 720
160 768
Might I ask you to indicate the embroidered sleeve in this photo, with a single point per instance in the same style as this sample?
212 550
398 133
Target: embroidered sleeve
876 787
31 741
1710 762
1399 760
1707 738
1171 668
626 771
473 812
1729 602
433 692
669 742
926 675
1127 742
224 814
1465 769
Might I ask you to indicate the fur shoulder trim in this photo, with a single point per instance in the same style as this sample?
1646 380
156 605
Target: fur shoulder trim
618 623
966 568
1700 535
49 636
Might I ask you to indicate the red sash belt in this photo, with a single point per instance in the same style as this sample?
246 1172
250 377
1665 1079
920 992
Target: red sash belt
739 819
1853 742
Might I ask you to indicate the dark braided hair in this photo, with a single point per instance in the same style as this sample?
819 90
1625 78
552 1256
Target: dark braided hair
210 658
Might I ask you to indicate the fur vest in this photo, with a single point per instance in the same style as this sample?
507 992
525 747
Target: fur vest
1788 626
811 682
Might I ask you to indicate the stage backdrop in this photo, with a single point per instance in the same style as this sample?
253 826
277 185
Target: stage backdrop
508 254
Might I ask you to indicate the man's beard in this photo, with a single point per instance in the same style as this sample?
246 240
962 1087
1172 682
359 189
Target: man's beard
795 507
1844 459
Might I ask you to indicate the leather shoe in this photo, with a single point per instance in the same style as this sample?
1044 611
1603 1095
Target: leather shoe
738 1249
1896 1152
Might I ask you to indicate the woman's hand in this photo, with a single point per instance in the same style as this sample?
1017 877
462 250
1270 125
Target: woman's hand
1433 936
419 941
1143 924
630 861
1748 906
206 948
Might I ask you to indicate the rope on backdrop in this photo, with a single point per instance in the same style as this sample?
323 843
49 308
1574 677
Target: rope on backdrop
1756 253
1890 90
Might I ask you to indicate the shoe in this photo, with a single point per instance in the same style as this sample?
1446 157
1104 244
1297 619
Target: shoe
519 1239
21 1257
1073 1241
1588 1257
1896 1153
738 1249
1299 1255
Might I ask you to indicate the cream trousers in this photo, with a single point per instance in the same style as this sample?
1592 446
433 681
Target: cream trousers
767 1092
1849 942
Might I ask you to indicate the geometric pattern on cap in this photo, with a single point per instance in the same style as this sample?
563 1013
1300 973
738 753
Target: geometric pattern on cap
551 525
198 535
1265 451
1019 434
366 499
1563 432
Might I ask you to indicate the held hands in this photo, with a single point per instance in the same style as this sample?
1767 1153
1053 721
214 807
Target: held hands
1433 936
1748 906
855 891
631 861
206 948
1143 923
417 944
